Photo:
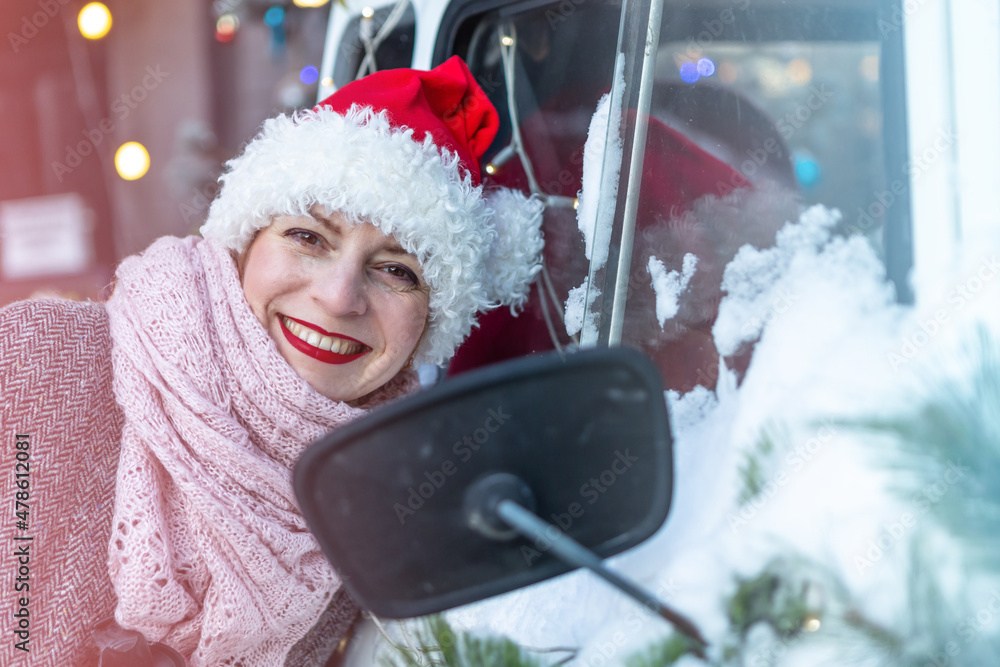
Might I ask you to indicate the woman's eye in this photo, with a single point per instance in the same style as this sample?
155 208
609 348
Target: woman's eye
401 272
304 236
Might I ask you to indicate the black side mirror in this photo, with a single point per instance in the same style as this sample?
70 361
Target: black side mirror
421 506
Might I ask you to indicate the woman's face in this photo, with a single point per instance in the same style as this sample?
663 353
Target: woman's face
345 304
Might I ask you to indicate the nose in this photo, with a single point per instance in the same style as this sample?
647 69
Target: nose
341 288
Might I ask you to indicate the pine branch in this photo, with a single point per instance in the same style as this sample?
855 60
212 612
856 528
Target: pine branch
950 446
439 644
664 653
758 462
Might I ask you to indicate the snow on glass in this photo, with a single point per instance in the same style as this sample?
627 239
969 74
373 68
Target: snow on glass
598 195
668 286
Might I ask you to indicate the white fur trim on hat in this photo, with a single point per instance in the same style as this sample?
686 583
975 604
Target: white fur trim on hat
514 259
475 254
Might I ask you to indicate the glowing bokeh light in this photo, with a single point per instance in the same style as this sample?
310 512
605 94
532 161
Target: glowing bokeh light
869 68
870 121
226 27
729 72
94 20
367 12
131 160
308 4
799 71
309 75
706 67
689 73
807 170
274 16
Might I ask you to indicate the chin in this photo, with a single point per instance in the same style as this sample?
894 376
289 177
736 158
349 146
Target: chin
344 389
334 390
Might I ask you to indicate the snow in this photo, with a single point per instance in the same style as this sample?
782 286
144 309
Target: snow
668 286
578 307
599 188
826 326
762 284
597 199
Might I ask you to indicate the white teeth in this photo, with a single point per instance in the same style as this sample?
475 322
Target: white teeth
316 339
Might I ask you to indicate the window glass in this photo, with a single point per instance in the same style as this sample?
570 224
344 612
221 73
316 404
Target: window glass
822 98
561 61
390 33
757 110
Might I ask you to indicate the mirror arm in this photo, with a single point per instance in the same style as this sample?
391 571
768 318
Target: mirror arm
570 551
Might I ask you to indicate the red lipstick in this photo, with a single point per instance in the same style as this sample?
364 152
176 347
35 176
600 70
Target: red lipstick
326 356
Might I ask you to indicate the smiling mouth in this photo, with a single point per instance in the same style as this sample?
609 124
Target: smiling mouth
331 349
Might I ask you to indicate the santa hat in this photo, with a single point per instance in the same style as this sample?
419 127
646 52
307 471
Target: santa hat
400 149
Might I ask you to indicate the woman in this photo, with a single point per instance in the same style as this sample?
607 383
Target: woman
347 244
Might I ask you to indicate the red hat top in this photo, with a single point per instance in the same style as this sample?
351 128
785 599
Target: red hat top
445 103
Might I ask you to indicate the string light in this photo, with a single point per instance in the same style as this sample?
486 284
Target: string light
131 160
507 40
94 20
372 36
502 157
812 624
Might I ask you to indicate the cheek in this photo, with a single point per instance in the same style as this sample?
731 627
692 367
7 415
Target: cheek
255 291
404 321
265 276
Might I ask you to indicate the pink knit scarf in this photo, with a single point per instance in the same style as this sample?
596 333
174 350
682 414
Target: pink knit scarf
208 551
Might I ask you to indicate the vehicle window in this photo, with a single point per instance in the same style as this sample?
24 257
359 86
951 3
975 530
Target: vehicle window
756 111
385 37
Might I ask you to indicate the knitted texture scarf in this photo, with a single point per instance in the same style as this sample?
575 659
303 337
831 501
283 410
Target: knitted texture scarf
208 550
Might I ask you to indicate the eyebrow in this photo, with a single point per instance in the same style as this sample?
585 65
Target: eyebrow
393 247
